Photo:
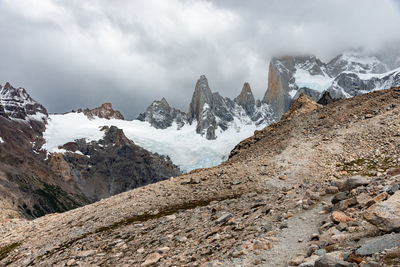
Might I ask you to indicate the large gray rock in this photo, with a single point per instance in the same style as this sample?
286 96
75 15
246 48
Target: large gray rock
378 244
355 181
385 215
330 261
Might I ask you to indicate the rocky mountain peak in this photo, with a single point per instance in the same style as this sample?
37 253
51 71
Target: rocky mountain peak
161 116
16 103
246 99
353 61
202 95
164 102
105 111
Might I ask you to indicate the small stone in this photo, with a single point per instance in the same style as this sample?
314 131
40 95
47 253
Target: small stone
341 227
363 199
393 171
339 197
71 262
262 245
296 261
320 252
283 177
332 190
140 250
340 217
381 197
163 249
372 264
86 253
311 249
151 259
224 218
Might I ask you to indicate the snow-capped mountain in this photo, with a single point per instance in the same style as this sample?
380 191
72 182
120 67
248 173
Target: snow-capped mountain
348 74
210 112
16 103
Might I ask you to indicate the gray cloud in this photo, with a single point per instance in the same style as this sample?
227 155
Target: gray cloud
72 54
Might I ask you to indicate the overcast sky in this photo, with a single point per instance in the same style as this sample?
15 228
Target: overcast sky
73 53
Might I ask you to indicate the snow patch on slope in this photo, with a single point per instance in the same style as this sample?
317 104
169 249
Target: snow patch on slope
320 83
1 140
186 149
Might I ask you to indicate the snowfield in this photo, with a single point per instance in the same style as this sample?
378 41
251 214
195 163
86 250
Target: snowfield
186 149
319 83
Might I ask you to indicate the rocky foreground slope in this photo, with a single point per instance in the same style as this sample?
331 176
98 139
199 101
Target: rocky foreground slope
289 195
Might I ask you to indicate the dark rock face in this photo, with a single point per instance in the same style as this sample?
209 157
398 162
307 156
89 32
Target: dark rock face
113 165
161 116
326 99
105 111
16 103
246 99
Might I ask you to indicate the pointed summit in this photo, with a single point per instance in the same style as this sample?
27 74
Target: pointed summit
17 103
7 86
164 102
246 99
202 95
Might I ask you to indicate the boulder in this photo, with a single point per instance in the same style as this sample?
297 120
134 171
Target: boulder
385 215
331 261
378 244
355 181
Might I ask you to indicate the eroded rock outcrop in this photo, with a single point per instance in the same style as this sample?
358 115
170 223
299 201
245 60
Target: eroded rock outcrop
105 111
303 104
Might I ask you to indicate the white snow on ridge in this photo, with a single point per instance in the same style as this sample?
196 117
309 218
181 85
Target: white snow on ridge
319 83
186 149
1 140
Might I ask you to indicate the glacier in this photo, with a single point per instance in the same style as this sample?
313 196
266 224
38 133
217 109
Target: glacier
185 147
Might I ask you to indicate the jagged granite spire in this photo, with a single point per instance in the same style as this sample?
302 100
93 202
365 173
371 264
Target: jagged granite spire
202 95
246 99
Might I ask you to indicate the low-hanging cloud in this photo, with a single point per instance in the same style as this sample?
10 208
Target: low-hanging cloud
72 53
